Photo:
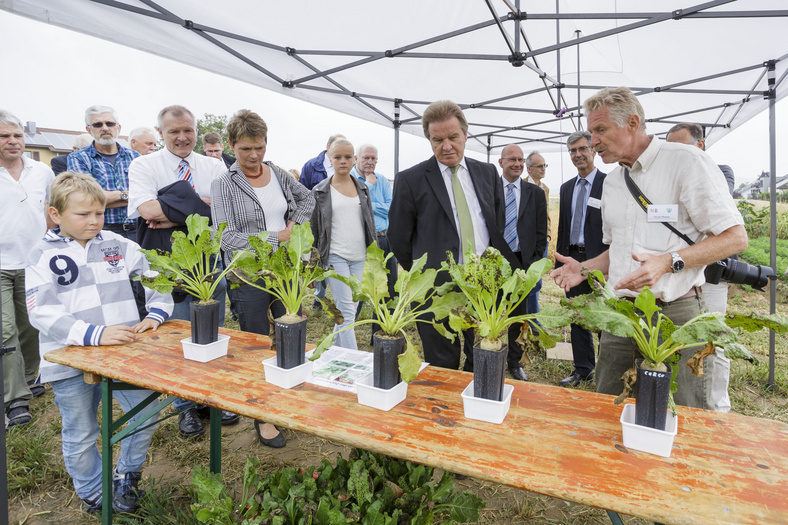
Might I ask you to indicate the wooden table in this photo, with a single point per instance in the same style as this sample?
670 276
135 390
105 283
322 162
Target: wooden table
564 443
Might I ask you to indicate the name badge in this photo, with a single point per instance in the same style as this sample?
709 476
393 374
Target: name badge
594 203
663 213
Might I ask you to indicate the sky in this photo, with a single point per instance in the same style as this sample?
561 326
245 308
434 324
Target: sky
51 75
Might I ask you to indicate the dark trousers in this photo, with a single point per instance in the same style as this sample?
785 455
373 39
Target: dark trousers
439 351
582 338
129 231
252 308
530 305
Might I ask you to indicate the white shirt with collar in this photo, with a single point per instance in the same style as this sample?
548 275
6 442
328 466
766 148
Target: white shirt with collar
150 173
517 196
22 209
480 233
668 174
581 240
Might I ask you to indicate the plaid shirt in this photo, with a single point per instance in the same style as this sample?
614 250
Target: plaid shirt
233 201
111 178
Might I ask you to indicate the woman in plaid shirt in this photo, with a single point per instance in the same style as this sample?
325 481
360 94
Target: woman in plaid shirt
251 197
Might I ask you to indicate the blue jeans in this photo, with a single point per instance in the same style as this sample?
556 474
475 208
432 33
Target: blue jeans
78 403
343 298
181 311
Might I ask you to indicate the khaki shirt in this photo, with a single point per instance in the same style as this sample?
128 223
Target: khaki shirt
667 174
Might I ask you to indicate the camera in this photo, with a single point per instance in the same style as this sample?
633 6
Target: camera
738 272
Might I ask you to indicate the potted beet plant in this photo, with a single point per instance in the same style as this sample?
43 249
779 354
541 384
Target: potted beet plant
194 266
286 273
396 360
659 342
492 292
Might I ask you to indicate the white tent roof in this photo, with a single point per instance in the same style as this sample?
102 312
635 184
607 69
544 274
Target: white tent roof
706 63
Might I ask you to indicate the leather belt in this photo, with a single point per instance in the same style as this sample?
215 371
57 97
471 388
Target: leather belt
121 226
578 248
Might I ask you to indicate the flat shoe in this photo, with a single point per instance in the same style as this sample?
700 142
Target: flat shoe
277 441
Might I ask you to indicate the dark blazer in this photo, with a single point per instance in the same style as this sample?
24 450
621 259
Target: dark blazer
531 223
593 226
421 219
178 200
58 164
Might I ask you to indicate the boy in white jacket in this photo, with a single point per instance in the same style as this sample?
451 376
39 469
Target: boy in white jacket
78 293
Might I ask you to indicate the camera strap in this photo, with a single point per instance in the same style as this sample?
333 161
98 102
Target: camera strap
643 201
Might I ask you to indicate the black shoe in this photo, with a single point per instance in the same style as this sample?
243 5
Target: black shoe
36 388
125 494
518 373
277 441
190 424
228 418
92 505
317 306
575 379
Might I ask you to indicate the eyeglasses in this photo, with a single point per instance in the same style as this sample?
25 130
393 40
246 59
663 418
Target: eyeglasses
539 166
99 125
514 159
582 150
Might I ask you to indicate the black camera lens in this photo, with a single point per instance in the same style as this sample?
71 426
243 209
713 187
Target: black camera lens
740 272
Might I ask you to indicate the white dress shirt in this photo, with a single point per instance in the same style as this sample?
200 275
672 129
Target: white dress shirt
150 173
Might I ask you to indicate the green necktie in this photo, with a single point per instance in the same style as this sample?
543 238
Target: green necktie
463 213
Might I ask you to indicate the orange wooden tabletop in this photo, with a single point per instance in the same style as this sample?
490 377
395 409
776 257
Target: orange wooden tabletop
565 443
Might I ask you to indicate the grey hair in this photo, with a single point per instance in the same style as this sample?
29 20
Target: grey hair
97 110
138 132
82 140
696 130
578 135
176 111
9 119
528 163
620 102
363 146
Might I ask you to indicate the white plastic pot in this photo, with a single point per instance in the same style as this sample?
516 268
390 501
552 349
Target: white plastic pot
486 409
379 398
205 353
646 439
286 377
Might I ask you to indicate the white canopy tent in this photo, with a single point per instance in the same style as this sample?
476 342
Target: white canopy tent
520 75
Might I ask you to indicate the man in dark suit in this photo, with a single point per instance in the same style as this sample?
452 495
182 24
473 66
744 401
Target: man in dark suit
446 203
525 231
213 146
59 164
580 237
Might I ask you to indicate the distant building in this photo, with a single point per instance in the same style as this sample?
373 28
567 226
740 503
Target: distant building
42 144
760 185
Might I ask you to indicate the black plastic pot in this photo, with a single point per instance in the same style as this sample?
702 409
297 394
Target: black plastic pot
205 322
290 343
651 397
488 373
385 370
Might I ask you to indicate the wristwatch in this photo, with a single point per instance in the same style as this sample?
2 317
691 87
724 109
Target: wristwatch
678 262
124 195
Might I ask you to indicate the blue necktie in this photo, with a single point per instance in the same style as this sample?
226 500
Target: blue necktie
185 173
580 210
510 231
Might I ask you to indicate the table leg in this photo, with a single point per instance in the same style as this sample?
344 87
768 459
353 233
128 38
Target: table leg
216 440
106 451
